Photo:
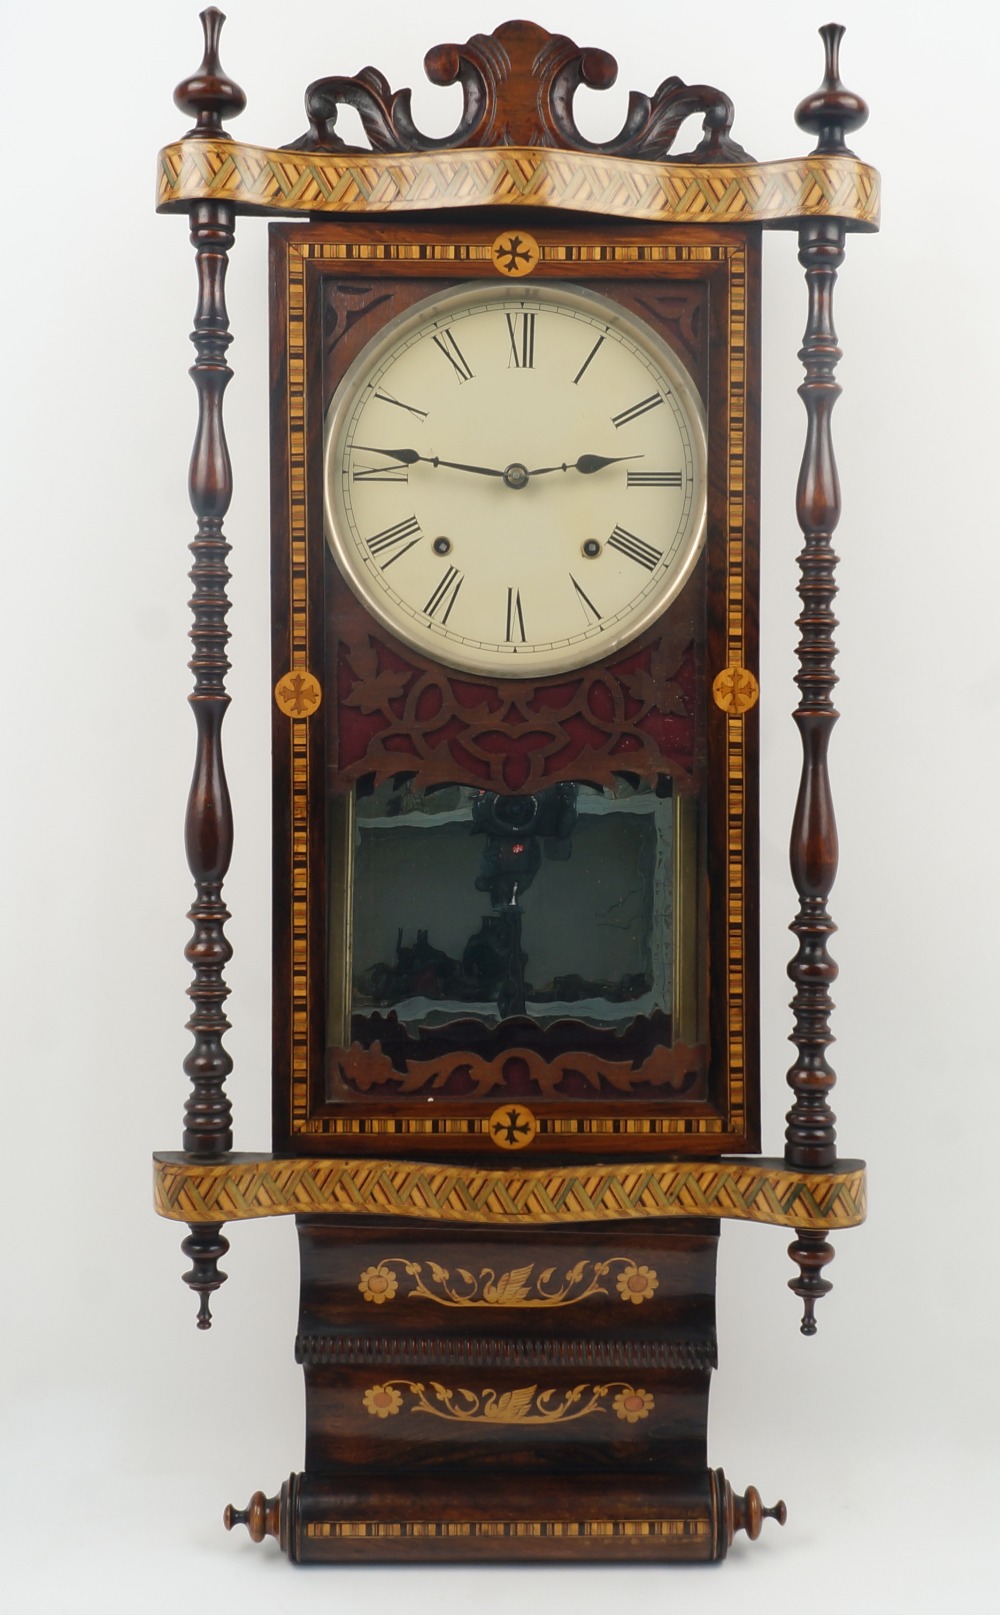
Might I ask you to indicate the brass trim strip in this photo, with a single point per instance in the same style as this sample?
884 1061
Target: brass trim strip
253 178
765 1191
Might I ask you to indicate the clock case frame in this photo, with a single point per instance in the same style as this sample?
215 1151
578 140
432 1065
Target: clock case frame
702 286
566 1434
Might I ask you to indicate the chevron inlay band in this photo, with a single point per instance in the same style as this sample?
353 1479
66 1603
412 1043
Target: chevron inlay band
254 178
764 1191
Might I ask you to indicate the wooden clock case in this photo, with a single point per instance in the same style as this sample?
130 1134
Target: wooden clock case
508 1243
643 713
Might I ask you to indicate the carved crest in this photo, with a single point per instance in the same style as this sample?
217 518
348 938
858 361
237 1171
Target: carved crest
518 87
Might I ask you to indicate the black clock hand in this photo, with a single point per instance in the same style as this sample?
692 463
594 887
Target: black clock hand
587 463
411 457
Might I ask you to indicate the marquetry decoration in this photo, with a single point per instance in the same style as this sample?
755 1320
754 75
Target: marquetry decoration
255 178
551 1128
298 695
520 1287
511 1127
481 1530
515 253
745 1191
735 690
526 1404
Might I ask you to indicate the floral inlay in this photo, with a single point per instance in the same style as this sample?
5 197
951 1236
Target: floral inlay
636 1284
378 1284
633 1405
524 1405
517 1287
381 1400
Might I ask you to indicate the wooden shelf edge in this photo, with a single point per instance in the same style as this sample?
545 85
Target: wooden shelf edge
260 179
241 1187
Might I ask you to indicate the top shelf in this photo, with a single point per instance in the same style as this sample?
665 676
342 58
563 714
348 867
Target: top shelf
517 144
260 179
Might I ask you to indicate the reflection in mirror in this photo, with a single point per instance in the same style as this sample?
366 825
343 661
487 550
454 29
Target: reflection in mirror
474 905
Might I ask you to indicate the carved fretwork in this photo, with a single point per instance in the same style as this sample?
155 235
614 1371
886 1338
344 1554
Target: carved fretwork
518 87
632 713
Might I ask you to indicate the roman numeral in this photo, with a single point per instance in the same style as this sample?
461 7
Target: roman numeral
388 540
635 548
522 343
445 594
387 398
653 479
587 360
637 410
515 617
380 473
454 355
588 603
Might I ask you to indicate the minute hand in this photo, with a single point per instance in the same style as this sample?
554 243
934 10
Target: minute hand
587 463
411 457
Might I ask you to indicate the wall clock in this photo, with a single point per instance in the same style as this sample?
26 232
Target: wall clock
515 1060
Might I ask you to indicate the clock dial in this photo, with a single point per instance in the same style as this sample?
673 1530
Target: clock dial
515 480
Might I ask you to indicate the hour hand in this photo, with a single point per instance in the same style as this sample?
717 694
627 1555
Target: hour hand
587 464
404 456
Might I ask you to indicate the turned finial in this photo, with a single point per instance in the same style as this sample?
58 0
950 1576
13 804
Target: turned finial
208 95
749 1512
262 1517
203 1247
811 1252
831 110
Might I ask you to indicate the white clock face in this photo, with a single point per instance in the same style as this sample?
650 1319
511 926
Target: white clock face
515 479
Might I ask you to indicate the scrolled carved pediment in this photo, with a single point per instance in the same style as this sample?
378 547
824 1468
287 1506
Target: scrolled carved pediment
518 87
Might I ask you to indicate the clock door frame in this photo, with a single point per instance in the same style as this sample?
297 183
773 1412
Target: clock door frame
619 261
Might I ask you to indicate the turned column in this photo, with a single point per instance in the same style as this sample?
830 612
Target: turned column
811 1135
208 828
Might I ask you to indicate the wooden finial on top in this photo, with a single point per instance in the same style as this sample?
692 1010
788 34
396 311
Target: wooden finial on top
831 110
208 95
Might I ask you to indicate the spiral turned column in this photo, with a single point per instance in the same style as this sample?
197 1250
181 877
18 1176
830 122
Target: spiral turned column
208 828
811 1135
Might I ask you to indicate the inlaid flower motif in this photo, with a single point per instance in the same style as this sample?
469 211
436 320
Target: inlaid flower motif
636 1284
381 1400
633 1405
378 1284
